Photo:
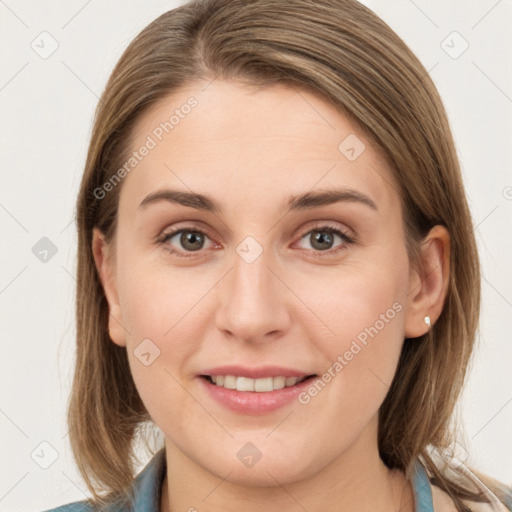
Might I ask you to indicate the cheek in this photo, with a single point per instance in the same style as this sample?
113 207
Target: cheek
159 347
164 318
362 312
156 299
156 311
359 302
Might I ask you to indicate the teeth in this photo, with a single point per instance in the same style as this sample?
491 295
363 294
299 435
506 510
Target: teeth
258 385
230 382
245 384
291 381
279 382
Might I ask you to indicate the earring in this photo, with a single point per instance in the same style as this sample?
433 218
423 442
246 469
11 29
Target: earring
427 321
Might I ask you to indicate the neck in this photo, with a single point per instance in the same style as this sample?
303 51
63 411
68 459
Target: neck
357 480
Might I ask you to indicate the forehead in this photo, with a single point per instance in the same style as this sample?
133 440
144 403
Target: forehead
265 143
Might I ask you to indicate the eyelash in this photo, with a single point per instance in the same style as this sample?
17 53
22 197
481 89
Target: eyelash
347 240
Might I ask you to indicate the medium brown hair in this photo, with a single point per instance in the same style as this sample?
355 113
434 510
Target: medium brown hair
338 50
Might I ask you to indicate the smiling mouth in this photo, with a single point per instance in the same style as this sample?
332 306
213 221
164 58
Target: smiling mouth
260 385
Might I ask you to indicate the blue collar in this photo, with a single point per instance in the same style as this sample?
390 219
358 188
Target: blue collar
421 488
147 486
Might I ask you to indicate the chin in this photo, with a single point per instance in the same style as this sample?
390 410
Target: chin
275 464
263 474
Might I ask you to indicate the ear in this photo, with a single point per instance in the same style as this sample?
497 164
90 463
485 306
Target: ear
103 260
428 283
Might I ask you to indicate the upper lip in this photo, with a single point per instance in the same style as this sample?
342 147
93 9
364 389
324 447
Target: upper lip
255 372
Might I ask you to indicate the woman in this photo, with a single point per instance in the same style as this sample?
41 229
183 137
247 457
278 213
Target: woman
277 267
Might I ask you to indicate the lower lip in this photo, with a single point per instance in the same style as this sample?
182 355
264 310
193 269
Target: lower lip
254 402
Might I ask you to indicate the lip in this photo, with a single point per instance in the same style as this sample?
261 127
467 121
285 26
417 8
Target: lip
254 402
254 373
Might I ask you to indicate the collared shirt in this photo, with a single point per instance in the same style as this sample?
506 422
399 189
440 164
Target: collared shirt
147 488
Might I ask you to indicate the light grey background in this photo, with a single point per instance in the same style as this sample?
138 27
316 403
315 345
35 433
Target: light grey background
47 106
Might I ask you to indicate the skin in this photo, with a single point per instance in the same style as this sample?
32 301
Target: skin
250 149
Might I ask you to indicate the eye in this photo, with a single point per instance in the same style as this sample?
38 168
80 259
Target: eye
322 238
190 239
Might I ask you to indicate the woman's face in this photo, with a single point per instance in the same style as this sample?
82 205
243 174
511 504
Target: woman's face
259 280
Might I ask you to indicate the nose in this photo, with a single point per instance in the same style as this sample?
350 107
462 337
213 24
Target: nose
254 301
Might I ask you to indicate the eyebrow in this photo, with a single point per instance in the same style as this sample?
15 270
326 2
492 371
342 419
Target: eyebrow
305 201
